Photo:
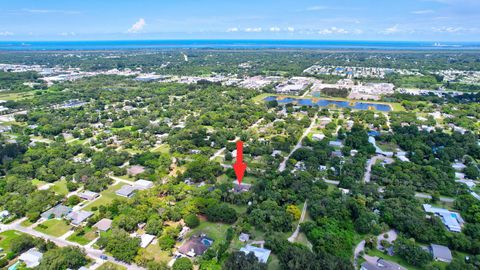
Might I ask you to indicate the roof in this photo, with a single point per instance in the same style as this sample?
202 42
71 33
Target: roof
146 239
104 224
31 257
57 211
262 254
195 246
441 252
382 265
143 184
452 220
136 169
88 195
78 217
125 191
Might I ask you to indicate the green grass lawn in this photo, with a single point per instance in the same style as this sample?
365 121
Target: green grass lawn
111 266
163 148
60 187
388 147
273 262
55 227
153 252
88 236
216 231
38 183
6 237
107 196
26 223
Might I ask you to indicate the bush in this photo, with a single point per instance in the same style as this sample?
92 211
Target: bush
192 221
182 264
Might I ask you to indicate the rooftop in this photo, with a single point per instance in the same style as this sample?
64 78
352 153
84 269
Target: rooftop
261 253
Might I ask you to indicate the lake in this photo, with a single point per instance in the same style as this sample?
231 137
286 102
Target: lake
358 105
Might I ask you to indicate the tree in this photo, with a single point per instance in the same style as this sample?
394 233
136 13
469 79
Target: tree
73 200
63 258
192 221
120 245
294 211
182 264
241 261
221 213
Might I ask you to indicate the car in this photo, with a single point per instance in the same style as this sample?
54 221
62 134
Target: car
103 257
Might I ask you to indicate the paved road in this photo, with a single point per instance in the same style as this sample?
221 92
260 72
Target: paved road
91 252
283 165
358 249
371 162
218 153
294 235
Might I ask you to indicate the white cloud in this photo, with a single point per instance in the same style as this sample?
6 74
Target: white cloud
66 34
290 29
6 33
138 26
48 11
233 29
453 30
255 29
332 30
391 30
315 8
421 12
274 29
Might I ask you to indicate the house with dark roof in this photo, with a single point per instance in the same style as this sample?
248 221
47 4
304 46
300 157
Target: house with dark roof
195 246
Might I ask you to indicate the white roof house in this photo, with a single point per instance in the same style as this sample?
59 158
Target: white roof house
146 239
88 195
318 137
78 217
143 184
452 220
31 257
262 254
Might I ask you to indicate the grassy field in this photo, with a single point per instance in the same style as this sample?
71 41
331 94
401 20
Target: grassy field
6 237
163 148
55 227
88 236
107 196
60 187
111 266
216 231
153 252
26 223
15 96
38 183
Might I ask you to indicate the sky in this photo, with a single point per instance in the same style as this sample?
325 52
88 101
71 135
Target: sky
386 20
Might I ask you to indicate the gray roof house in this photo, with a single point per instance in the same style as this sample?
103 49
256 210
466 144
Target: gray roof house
381 264
441 253
57 211
103 225
262 254
88 195
126 191
78 217
31 257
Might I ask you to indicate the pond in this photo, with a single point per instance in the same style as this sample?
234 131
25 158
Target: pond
358 105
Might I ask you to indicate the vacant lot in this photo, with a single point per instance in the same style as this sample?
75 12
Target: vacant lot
6 237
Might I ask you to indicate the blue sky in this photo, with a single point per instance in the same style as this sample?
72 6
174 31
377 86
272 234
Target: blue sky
408 20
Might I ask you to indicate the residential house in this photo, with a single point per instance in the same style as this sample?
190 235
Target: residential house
143 184
441 253
195 246
146 239
88 195
57 211
126 191
31 257
381 264
452 220
78 217
103 225
262 254
244 237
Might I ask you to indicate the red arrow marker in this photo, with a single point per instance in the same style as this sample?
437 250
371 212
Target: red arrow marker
239 165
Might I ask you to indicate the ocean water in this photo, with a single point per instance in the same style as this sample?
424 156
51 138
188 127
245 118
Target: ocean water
230 44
